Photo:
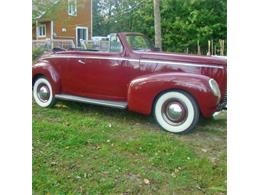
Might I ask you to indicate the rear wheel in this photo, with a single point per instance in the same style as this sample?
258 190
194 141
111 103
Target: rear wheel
176 111
42 93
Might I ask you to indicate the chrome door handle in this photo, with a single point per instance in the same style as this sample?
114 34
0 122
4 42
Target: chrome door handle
80 61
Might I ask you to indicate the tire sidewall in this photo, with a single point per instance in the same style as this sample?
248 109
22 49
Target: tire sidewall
192 111
38 82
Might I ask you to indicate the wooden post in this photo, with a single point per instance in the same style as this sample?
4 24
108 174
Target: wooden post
208 53
222 47
157 24
212 46
52 32
198 46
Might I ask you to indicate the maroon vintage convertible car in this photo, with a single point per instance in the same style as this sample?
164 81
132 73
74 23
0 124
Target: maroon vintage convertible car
132 75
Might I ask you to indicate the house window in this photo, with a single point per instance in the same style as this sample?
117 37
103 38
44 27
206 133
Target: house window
72 7
42 30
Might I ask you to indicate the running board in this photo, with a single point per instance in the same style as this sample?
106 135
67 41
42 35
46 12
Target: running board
114 104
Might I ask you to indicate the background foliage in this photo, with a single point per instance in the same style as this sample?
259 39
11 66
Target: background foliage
37 52
184 22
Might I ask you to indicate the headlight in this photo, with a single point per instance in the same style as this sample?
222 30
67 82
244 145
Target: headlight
214 88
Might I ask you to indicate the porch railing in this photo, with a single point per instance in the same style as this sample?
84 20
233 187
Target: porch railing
50 44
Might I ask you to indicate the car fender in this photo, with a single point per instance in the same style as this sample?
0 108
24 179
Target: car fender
143 91
45 68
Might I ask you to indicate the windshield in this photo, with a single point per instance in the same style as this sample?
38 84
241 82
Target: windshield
138 42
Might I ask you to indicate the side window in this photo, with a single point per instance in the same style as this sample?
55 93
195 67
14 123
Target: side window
72 7
115 44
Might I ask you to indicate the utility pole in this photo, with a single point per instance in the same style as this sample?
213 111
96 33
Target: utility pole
157 24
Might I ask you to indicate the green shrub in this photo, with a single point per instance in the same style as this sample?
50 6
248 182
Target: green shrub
37 52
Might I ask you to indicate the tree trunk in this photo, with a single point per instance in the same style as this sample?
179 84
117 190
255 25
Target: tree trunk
157 24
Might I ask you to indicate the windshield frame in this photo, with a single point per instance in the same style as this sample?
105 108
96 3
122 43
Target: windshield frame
146 39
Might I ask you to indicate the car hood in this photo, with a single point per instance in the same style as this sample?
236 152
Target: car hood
195 59
219 74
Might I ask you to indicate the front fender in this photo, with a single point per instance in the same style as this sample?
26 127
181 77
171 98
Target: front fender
144 90
45 68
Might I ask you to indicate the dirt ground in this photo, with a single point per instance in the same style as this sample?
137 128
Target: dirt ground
210 137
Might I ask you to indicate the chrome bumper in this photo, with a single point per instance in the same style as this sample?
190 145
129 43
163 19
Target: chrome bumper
223 104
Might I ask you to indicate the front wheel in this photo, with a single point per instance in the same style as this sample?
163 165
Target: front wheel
176 111
42 93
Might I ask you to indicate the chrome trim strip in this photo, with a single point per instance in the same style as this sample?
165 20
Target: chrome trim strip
89 57
114 104
132 60
136 60
92 57
180 64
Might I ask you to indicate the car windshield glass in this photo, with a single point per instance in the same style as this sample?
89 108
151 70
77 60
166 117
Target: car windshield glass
138 42
115 44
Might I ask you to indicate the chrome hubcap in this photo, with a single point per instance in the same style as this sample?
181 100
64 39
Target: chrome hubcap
43 93
174 112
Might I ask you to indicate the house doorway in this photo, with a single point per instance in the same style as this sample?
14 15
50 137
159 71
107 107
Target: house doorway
81 34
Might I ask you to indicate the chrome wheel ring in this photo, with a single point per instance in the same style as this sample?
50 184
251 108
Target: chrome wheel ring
43 93
174 112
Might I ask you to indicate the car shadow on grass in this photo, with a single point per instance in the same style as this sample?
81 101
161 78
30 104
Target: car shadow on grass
104 111
207 139
214 125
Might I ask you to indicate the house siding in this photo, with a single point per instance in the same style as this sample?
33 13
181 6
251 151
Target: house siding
83 18
61 20
48 31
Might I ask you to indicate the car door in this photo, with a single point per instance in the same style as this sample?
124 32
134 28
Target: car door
72 73
101 75
105 72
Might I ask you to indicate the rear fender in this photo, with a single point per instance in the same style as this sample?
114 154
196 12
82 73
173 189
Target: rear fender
44 68
144 90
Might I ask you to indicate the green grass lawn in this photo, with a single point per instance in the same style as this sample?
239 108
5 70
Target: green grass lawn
84 149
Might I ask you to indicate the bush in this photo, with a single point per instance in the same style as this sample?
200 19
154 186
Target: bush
37 52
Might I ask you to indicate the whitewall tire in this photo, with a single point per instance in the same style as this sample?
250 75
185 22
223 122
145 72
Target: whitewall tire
42 93
176 111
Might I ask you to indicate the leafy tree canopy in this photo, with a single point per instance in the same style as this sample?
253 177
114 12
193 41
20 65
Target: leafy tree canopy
183 22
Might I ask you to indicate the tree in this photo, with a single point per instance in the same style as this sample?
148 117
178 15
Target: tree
157 24
115 15
184 23
40 7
